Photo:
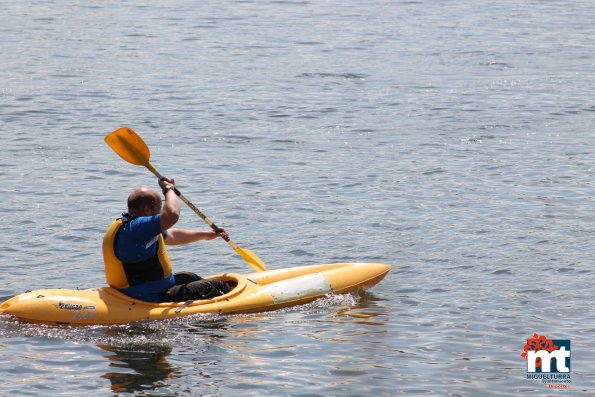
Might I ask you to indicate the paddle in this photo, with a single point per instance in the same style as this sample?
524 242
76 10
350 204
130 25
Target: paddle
131 147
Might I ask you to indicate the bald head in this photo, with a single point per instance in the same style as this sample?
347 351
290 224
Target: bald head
144 201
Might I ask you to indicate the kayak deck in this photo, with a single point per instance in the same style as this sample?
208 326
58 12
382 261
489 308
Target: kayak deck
254 292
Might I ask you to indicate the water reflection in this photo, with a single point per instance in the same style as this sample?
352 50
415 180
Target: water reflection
138 353
138 364
134 368
367 311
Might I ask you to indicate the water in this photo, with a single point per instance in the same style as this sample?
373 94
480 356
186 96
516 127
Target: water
453 140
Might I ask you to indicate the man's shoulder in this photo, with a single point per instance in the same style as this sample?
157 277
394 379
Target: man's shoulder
150 224
143 219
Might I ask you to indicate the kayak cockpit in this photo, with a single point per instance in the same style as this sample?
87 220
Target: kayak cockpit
237 281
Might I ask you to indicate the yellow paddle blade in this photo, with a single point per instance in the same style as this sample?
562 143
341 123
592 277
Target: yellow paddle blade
129 145
251 258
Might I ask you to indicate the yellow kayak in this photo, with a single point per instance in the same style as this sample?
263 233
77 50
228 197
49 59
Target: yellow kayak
254 292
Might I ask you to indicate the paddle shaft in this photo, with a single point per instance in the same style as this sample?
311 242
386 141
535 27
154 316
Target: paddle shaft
198 212
251 258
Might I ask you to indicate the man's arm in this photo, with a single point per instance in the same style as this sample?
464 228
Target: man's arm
170 213
177 236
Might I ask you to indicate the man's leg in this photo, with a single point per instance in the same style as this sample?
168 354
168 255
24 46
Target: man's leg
196 290
186 277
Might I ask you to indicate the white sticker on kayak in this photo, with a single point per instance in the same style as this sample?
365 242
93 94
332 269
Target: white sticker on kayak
297 288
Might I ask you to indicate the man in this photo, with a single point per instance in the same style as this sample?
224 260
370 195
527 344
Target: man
135 256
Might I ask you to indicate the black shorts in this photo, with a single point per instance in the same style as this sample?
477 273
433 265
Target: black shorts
190 286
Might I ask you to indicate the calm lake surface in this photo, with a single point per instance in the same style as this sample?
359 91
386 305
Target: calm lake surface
454 140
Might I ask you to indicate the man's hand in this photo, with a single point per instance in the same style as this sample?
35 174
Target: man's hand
221 233
166 183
